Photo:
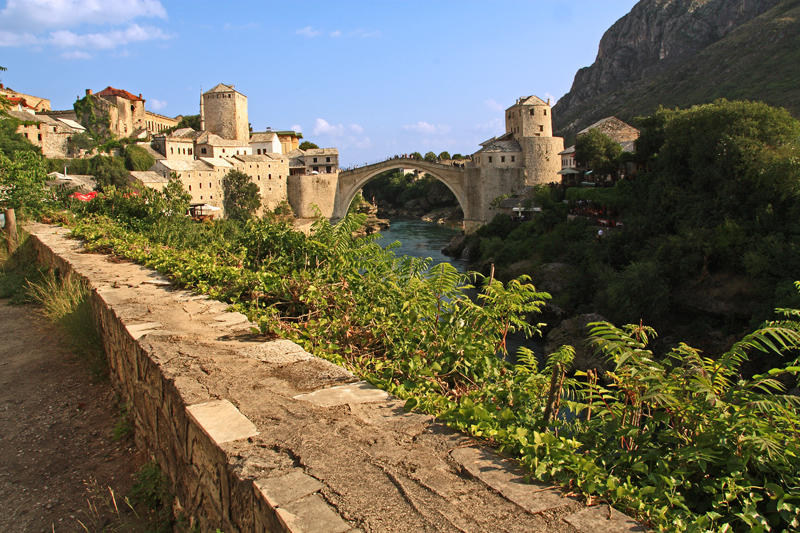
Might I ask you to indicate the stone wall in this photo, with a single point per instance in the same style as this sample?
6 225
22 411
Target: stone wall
306 191
255 434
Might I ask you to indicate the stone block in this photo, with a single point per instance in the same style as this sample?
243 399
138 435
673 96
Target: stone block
311 515
603 518
279 352
352 393
222 421
507 479
282 490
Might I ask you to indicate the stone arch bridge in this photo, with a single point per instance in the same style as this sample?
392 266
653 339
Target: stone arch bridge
465 183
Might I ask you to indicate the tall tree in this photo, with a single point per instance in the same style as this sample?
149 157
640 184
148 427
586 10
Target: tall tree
242 197
307 145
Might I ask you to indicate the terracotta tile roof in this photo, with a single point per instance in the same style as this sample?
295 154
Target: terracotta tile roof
111 91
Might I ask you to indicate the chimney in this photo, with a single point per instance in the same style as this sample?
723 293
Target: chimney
140 97
88 92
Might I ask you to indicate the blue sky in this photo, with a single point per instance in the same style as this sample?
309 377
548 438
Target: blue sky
373 77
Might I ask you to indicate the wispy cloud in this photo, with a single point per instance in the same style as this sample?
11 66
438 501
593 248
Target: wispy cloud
76 54
308 31
228 26
345 136
40 15
311 32
493 104
366 34
155 104
58 23
106 40
297 127
427 128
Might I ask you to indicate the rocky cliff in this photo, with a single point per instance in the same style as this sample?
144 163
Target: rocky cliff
663 50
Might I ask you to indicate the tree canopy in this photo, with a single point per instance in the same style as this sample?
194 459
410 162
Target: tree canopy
598 152
242 197
307 145
430 157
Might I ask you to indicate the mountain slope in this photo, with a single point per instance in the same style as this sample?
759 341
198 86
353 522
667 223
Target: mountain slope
684 52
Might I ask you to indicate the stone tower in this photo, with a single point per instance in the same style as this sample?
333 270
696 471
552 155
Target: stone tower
223 111
530 122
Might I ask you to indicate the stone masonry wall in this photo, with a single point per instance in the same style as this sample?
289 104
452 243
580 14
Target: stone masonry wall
255 434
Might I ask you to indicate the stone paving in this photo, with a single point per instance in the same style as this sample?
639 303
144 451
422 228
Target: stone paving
288 441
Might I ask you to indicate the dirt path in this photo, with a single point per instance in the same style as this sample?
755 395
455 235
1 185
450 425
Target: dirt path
56 428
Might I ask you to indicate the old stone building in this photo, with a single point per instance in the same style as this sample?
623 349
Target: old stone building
36 103
48 133
265 142
223 112
612 127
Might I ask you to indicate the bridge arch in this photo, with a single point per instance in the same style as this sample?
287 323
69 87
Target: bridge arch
352 181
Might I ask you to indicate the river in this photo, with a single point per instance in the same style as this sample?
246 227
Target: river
426 239
422 239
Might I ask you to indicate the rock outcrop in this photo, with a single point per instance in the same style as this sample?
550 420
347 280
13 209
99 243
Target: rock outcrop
655 37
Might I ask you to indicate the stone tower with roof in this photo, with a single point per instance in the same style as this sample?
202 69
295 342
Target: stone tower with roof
530 122
223 111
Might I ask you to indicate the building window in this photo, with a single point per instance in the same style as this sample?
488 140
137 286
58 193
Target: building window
532 112
541 128
490 159
39 136
512 158
190 151
316 169
545 112
502 159
190 188
201 185
209 184
202 150
327 159
315 160
328 169
269 176
171 150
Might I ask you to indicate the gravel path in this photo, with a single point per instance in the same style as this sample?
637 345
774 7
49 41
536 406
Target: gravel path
59 458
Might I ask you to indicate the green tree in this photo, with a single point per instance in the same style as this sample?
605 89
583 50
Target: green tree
11 141
137 158
458 157
108 170
444 155
430 157
176 197
598 152
242 197
307 145
416 155
189 121
22 182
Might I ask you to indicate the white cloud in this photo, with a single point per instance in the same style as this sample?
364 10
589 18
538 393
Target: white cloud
76 54
323 127
494 125
493 104
106 40
40 15
350 136
427 128
335 33
156 105
308 31
10 38
366 34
